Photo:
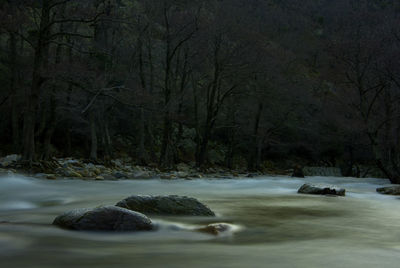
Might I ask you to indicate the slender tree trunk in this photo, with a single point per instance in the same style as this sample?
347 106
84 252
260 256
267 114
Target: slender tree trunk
150 117
142 125
51 127
182 87
93 136
394 178
253 160
197 138
142 138
170 53
212 105
231 118
387 142
202 155
165 147
32 96
231 150
14 93
107 140
259 153
68 124
167 125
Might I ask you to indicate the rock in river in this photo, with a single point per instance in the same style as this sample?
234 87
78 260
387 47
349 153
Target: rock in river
321 190
390 190
166 205
216 228
107 218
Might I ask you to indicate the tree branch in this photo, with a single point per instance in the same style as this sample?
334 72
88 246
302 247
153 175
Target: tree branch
69 34
96 95
80 20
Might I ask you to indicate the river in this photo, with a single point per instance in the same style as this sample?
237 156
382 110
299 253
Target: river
276 227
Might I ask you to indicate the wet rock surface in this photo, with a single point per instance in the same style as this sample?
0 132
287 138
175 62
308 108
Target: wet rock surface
166 205
215 228
321 190
322 171
390 190
107 218
117 169
9 160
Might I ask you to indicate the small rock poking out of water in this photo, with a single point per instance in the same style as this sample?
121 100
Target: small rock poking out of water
166 205
107 218
390 190
321 190
215 228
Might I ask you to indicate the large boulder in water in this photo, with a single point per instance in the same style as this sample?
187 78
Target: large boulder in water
321 190
390 190
108 218
166 205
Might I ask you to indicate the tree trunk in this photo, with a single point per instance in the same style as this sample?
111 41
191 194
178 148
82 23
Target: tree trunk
202 154
150 119
142 138
142 125
255 151
165 160
68 124
32 96
231 150
107 140
50 127
14 93
93 136
259 153
167 129
392 176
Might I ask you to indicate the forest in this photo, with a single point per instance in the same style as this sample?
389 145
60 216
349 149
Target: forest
233 83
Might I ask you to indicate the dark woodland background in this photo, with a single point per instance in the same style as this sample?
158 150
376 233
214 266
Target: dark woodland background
235 83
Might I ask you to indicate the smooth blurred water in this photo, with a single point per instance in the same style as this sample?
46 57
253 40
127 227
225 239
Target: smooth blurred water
278 227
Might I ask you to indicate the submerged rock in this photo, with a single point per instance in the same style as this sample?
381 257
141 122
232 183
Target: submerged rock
108 218
215 228
166 205
321 190
390 190
168 177
51 177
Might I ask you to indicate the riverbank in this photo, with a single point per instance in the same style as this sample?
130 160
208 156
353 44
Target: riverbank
118 169
126 168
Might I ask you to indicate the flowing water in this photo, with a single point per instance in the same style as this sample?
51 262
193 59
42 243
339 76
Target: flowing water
276 226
